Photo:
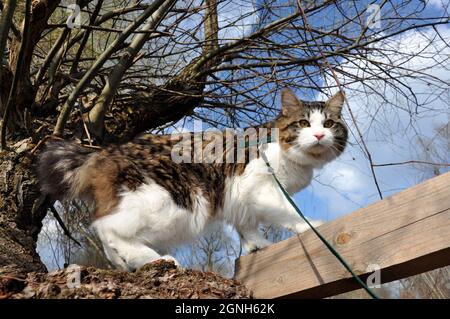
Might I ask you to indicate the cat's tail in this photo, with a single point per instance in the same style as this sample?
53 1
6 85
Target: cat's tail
63 170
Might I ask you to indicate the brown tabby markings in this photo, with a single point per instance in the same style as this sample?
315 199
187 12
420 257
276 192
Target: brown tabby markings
107 175
127 166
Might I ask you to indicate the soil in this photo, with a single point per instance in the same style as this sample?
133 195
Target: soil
160 279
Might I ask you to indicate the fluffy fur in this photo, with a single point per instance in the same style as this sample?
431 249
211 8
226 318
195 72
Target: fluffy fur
145 203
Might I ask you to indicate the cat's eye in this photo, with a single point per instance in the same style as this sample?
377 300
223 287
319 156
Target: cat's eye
304 123
328 123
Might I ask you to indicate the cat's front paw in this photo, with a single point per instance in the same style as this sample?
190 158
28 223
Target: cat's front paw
255 246
302 227
253 249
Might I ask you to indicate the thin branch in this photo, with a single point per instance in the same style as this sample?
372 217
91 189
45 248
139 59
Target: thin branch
412 162
58 44
61 223
85 38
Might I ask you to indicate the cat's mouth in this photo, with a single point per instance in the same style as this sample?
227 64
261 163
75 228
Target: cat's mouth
317 147
317 150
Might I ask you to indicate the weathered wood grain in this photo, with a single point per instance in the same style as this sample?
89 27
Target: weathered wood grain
406 234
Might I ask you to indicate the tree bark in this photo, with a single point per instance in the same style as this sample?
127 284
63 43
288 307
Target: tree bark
22 210
22 207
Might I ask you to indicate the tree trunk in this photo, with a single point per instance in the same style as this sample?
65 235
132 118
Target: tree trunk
21 212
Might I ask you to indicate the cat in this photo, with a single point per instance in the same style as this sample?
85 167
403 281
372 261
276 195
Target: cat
145 203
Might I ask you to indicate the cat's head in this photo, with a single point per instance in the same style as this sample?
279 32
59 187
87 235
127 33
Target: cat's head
311 133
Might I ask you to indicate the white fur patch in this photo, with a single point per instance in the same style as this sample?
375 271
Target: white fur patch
149 218
306 137
254 197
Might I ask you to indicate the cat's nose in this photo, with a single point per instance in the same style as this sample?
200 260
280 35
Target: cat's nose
319 136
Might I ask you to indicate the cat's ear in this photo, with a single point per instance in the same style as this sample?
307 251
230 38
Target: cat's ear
289 102
336 102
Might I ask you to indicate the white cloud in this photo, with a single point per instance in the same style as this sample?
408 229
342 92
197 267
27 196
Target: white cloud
347 179
438 3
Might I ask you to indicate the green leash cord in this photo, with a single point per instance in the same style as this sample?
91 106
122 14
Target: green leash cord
331 248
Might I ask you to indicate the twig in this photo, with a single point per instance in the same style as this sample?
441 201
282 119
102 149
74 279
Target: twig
86 129
41 142
97 28
85 38
92 146
11 277
50 55
61 223
411 162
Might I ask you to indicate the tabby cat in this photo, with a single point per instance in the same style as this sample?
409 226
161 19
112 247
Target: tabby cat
145 203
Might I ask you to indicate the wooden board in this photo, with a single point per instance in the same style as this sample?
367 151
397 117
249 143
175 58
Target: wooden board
406 234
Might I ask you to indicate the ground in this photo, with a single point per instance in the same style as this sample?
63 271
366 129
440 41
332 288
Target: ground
160 279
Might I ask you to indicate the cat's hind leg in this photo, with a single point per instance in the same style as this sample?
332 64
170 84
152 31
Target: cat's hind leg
136 232
127 253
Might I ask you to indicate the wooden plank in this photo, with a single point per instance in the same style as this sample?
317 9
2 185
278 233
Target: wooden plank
406 234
